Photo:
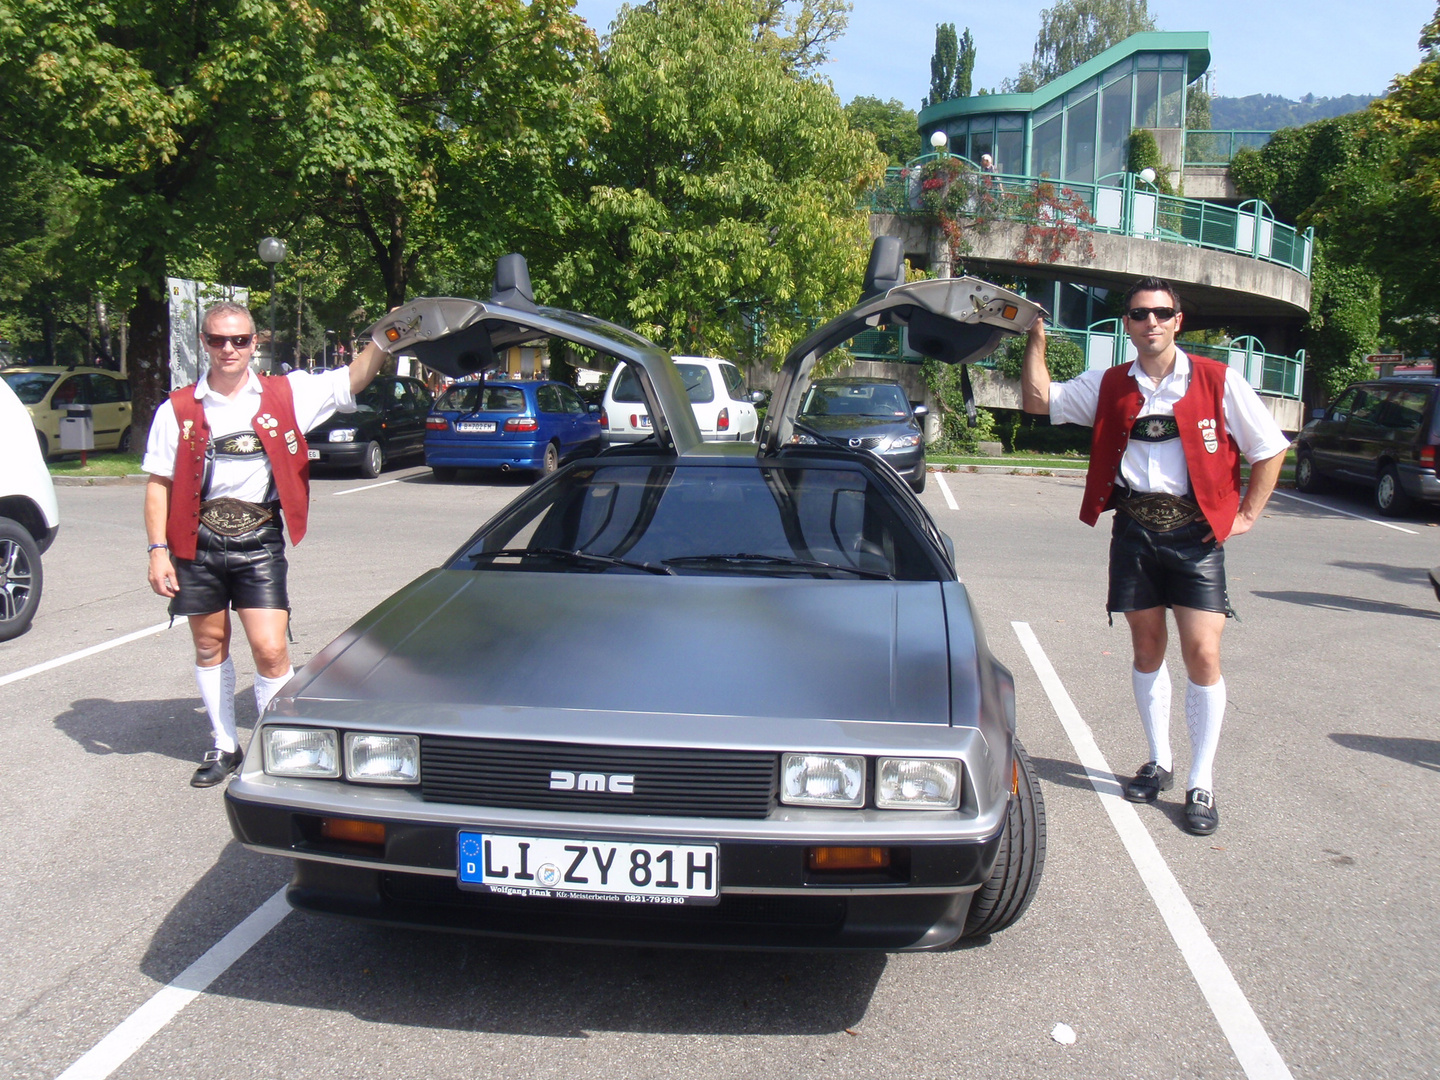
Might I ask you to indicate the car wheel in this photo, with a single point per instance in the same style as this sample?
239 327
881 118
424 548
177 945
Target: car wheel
919 485
1390 497
124 444
373 461
20 579
444 473
44 445
1307 478
1021 860
552 460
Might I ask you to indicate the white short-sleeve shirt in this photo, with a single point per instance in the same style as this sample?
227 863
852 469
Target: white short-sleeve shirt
317 396
1160 466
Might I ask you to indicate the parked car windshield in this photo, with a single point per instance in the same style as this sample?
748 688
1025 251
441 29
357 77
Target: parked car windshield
820 521
698 384
855 399
29 386
469 399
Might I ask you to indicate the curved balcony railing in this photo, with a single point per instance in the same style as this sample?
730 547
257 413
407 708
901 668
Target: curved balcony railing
1120 204
1105 344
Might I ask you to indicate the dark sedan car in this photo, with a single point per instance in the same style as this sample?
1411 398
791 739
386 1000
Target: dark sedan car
679 692
509 424
388 423
869 414
1381 434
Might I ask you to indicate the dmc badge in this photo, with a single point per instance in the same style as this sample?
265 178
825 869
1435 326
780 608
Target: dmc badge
291 443
1208 433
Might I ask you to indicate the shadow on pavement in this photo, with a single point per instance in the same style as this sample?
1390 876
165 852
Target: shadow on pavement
464 983
1334 602
1401 575
1071 774
176 728
1422 752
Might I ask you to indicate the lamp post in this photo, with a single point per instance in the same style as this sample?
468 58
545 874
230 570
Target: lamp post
272 250
938 140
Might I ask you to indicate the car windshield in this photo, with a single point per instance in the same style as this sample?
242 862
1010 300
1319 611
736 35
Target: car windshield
502 399
855 399
29 386
796 521
698 384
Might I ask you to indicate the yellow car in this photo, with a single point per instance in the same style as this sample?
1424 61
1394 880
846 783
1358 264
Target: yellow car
48 392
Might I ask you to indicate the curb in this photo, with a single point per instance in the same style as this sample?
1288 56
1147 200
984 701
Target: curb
99 481
1012 470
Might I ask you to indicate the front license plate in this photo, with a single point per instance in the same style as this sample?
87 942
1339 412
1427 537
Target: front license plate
314 455
475 427
589 869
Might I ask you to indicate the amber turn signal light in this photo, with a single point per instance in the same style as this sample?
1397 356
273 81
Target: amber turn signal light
351 831
1009 312
848 858
392 333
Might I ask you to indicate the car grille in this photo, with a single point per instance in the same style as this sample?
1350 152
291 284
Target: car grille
516 775
869 442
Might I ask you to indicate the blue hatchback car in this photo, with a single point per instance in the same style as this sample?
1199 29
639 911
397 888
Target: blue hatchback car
509 424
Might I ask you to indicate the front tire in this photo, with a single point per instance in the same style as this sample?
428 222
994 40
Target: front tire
1021 861
373 460
1390 498
44 445
123 446
918 485
21 579
1307 478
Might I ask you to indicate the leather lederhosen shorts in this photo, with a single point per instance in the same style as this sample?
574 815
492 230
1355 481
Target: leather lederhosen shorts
243 571
1165 569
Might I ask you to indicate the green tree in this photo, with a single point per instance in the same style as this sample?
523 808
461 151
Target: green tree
952 65
894 126
1143 152
718 211
1074 31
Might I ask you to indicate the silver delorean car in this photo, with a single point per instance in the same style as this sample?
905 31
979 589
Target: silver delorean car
681 692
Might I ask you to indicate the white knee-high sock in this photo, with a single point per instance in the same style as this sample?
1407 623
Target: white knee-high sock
1152 698
265 688
1204 711
217 690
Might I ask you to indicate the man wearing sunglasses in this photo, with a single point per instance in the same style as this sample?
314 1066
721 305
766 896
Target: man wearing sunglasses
1169 431
228 463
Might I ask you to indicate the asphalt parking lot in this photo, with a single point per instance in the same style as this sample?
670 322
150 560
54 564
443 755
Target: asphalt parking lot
1310 948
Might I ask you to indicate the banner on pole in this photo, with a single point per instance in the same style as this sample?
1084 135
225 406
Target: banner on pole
188 301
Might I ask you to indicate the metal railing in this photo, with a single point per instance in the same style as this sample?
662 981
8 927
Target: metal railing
1119 203
1218 147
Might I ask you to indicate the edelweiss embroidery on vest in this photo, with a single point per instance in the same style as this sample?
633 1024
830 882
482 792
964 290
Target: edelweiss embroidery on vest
1207 432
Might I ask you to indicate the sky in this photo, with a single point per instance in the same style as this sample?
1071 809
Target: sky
1285 47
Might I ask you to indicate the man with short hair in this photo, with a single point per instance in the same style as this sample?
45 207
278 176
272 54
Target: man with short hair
228 462
1169 430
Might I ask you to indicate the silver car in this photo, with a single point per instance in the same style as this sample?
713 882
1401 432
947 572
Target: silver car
798 740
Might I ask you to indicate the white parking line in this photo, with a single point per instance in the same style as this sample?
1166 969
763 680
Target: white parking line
367 487
70 658
1347 513
945 490
140 1026
1247 1037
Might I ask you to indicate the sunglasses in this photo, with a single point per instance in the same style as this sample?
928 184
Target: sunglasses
217 341
1140 314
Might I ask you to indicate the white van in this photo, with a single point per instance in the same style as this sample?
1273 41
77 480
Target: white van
29 516
724 409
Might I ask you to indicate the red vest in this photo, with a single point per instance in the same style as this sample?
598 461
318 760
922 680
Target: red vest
1211 453
284 445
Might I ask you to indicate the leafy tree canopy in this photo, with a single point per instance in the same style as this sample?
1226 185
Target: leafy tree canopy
952 65
1074 31
894 126
1270 112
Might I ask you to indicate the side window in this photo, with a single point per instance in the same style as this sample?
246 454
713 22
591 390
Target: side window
419 396
104 390
548 399
1368 406
569 400
398 394
1406 410
70 392
1344 405
734 381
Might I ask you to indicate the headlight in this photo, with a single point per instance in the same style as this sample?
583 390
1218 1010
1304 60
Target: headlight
801 439
344 434
382 759
822 780
917 784
903 442
301 752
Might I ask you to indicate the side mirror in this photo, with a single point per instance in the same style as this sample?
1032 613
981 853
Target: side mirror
759 397
593 409
919 409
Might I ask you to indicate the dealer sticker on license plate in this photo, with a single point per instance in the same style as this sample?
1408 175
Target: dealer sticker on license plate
475 427
589 869
314 455
644 421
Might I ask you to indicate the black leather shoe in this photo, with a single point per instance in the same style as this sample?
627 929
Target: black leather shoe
1149 781
216 766
1201 817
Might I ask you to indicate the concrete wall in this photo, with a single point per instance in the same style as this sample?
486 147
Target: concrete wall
1209 182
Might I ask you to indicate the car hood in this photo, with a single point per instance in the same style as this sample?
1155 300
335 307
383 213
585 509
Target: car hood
857 425
619 643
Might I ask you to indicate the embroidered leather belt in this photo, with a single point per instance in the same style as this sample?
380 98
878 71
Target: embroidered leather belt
1156 511
240 444
1154 429
232 517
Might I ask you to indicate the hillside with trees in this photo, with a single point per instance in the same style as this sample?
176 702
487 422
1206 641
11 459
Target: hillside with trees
1270 112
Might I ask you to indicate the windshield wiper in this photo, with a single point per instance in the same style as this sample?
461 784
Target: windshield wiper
742 558
564 555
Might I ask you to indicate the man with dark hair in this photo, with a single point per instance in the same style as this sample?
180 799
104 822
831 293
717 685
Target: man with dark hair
1169 430
227 457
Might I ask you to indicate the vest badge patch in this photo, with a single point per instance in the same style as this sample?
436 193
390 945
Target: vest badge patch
291 443
185 431
1208 433
268 422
